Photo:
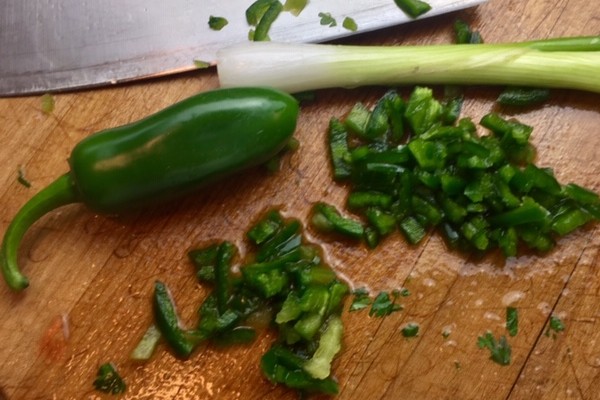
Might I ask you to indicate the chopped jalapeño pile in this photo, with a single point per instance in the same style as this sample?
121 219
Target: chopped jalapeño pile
285 277
414 165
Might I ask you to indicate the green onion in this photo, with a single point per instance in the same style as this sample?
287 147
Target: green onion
571 63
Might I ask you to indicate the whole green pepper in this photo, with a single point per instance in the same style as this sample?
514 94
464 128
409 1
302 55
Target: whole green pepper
165 155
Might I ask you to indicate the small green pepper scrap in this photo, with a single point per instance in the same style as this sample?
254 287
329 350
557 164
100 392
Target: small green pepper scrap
108 380
166 155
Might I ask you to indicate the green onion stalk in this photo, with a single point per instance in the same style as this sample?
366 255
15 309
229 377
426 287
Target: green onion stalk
567 63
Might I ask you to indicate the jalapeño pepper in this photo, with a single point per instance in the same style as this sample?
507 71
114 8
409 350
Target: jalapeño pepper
166 155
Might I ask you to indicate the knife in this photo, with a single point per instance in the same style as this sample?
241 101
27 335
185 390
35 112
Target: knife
54 45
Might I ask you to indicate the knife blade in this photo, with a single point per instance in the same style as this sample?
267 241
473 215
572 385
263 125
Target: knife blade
54 45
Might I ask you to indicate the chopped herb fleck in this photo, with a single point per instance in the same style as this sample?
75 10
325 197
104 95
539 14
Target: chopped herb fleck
556 325
108 380
217 23
201 64
410 330
21 178
47 103
350 24
404 292
512 321
327 19
457 365
500 349
384 305
361 299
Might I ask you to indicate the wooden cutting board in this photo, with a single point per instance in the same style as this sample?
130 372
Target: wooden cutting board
92 276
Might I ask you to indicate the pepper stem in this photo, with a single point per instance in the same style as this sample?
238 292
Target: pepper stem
58 193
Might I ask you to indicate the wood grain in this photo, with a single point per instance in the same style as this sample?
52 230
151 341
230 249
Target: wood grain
91 276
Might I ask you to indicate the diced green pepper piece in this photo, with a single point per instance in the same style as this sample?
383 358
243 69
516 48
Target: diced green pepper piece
568 221
330 343
308 326
523 97
581 195
217 23
507 129
327 218
182 341
528 212
422 111
429 155
383 222
412 229
225 255
535 239
287 239
378 125
261 33
265 228
356 121
464 34
413 8
269 278
204 261
281 365
507 239
361 200
338 150
431 212
290 309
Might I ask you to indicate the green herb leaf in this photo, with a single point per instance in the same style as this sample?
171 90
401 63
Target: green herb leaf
47 103
500 349
384 305
201 64
217 23
361 299
512 321
108 380
327 19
